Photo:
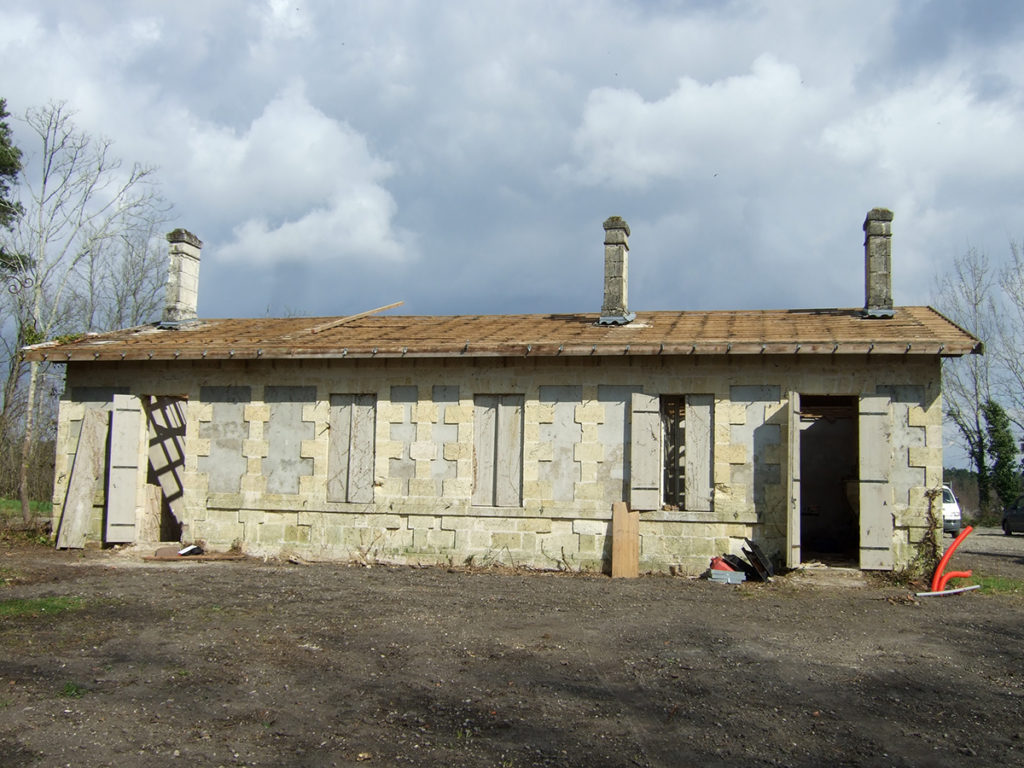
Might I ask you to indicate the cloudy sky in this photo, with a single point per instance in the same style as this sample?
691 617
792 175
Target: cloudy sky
461 156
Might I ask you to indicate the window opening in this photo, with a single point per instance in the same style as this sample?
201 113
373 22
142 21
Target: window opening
673 422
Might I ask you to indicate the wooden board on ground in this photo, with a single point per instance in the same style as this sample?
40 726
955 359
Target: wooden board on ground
205 557
625 541
86 471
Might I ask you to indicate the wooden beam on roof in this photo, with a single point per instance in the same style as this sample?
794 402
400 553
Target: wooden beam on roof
339 321
350 318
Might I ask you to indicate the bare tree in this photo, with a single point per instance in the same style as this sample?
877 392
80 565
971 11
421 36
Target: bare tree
1008 355
969 296
83 246
122 280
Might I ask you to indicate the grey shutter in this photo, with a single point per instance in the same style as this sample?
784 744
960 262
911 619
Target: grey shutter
92 441
350 463
485 412
361 449
698 455
876 514
122 478
508 469
793 554
645 452
339 445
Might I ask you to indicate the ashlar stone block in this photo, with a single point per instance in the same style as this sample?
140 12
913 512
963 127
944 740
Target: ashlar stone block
458 414
254 448
422 486
588 452
924 455
457 487
733 453
455 451
589 413
423 451
391 413
255 412
539 413
313 449
539 452
425 411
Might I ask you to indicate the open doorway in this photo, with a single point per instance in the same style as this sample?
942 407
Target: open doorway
829 504
166 433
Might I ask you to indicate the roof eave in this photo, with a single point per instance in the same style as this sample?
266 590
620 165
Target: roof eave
545 349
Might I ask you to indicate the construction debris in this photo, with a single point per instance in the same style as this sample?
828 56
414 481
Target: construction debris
759 560
730 569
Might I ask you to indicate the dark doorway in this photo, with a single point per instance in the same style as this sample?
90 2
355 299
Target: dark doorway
829 522
166 422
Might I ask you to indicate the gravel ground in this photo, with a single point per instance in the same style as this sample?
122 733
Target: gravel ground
270 664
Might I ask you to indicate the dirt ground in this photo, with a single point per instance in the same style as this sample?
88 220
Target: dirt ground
276 664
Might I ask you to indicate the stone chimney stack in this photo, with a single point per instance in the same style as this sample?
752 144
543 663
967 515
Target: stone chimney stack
615 310
878 263
182 293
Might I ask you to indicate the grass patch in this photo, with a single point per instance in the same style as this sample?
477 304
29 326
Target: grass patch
11 508
38 606
999 585
72 690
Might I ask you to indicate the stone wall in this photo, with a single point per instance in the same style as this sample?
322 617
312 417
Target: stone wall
258 453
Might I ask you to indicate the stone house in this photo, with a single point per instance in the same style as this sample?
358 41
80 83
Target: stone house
817 433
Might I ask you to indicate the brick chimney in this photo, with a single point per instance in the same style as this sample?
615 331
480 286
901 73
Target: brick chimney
615 310
878 263
182 292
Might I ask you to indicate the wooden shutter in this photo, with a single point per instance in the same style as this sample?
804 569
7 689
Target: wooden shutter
485 415
700 438
508 469
77 512
645 452
361 449
122 476
875 466
498 450
352 447
793 554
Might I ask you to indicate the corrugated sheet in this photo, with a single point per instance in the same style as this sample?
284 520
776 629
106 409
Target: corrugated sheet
913 330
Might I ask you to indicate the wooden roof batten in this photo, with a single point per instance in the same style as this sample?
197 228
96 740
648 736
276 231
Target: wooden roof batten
911 331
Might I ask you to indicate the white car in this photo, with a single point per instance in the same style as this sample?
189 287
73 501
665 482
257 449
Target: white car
951 522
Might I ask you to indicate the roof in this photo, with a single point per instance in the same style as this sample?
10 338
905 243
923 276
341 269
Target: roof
912 331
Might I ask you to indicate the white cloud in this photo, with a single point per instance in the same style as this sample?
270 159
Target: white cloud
280 21
296 185
19 31
747 122
931 130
